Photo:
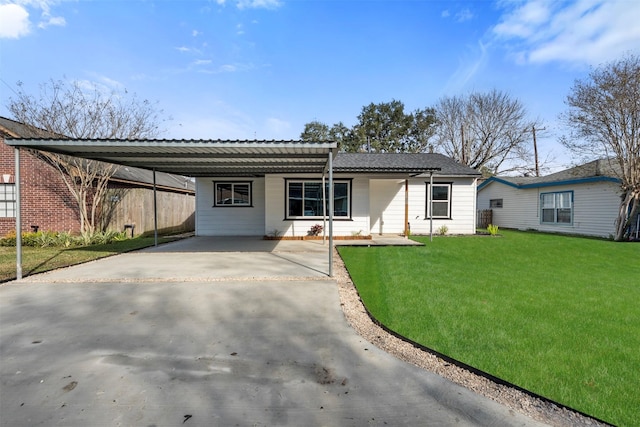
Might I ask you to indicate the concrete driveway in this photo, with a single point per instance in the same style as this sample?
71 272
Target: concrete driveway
171 336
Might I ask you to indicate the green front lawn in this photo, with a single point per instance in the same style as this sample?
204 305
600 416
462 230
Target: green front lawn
556 315
38 260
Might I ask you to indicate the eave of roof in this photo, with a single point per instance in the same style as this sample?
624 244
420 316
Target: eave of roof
524 186
196 157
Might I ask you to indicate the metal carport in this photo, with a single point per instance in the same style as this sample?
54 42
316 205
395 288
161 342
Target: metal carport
242 158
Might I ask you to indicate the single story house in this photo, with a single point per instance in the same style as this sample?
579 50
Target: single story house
47 204
276 187
581 200
373 194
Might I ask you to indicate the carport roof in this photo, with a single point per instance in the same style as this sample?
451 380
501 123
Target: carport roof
195 157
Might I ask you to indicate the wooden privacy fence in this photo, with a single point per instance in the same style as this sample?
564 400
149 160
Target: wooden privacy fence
134 207
485 217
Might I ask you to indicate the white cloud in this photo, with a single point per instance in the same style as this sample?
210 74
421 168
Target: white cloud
56 21
14 21
464 15
580 31
460 16
16 17
202 62
196 33
258 4
473 61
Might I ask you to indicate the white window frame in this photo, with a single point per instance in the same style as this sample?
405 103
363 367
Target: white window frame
555 202
7 200
495 203
430 200
336 203
234 203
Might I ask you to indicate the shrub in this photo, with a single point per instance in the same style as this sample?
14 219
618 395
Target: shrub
492 229
315 230
443 230
43 239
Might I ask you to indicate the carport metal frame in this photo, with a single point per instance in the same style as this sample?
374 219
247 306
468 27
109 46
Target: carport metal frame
195 158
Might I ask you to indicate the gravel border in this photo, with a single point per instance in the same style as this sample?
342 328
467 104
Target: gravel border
517 400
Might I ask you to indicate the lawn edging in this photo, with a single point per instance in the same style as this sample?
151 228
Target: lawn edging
476 371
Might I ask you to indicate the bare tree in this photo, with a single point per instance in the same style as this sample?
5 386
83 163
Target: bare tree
71 109
604 115
485 131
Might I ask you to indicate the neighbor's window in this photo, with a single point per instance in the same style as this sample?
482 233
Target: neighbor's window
495 203
304 199
7 200
440 199
232 194
556 208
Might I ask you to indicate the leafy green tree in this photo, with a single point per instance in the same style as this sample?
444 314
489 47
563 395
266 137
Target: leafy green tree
315 131
384 127
604 115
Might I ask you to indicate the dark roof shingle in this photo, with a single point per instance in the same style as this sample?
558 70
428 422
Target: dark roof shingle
400 163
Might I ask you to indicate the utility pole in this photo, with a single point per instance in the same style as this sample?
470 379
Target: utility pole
535 149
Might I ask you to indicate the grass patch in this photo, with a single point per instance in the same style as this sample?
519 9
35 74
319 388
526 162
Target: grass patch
39 260
556 315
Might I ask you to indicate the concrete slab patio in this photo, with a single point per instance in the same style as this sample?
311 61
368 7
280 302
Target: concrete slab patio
85 349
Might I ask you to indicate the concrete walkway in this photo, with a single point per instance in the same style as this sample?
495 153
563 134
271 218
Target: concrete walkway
214 350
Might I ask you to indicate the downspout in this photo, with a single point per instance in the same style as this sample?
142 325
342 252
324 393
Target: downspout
155 211
331 212
16 152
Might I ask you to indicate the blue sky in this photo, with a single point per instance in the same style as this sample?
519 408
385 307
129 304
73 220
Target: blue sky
245 69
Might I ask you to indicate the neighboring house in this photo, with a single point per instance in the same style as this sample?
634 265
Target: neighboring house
373 194
48 205
581 200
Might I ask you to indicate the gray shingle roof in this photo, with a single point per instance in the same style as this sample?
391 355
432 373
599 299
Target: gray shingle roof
13 129
400 163
597 170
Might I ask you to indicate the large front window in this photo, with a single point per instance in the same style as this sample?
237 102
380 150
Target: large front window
305 199
556 208
232 194
7 201
439 201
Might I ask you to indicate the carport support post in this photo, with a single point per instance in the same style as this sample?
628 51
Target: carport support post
18 216
155 211
430 199
406 208
331 212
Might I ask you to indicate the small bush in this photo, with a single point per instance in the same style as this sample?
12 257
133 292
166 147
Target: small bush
315 230
43 239
492 229
443 230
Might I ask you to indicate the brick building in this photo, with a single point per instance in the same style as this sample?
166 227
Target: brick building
47 204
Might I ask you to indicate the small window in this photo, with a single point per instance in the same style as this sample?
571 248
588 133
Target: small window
305 199
229 194
495 203
7 201
556 208
439 201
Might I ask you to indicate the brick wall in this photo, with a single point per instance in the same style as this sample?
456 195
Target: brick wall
46 202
